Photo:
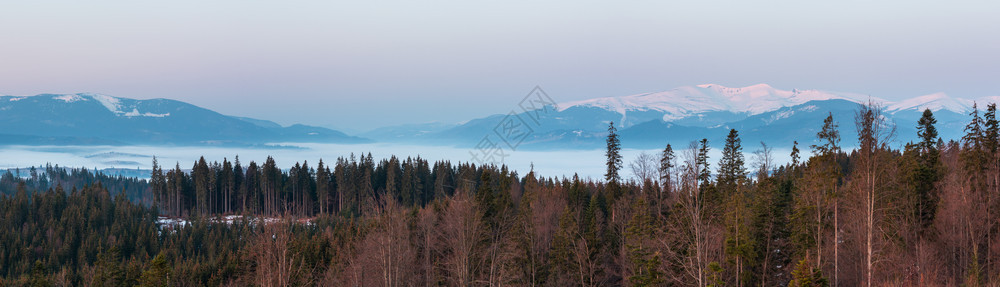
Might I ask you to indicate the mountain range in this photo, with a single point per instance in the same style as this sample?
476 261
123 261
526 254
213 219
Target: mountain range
651 120
760 112
88 119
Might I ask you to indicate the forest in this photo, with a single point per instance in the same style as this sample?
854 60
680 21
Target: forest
924 214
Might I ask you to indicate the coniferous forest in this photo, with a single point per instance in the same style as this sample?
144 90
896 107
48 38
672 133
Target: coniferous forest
927 214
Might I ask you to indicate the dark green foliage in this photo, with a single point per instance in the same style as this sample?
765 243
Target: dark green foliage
667 165
805 275
640 232
157 274
614 161
795 154
705 174
731 167
64 226
38 275
926 170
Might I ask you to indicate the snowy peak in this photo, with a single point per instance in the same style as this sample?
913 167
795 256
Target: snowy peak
757 99
102 119
934 102
121 107
690 100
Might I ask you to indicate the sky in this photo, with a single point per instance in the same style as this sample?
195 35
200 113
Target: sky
358 65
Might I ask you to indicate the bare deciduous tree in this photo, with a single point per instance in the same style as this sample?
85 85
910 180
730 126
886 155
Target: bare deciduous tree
459 232
644 167
764 160
874 134
275 264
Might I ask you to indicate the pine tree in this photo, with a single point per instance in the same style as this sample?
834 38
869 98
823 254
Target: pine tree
614 160
731 168
992 130
323 187
795 154
158 186
200 174
927 169
158 274
38 275
645 261
973 149
826 172
705 174
829 138
805 275
667 164
731 177
927 132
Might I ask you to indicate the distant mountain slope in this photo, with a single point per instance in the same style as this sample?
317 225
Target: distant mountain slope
651 120
759 112
102 119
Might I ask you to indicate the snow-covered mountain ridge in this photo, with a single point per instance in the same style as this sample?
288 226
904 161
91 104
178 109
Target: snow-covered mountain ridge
80 119
687 101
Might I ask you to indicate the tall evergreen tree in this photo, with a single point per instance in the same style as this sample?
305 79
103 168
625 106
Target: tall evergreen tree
614 162
731 166
795 153
200 174
826 172
705 174
667 163
927 169
829 138
991 129
731 176
158 186
322 187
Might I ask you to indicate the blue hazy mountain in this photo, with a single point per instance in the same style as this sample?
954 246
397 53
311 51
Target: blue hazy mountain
760 112
87 119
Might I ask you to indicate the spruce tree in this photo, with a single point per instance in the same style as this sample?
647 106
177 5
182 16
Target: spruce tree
973 154
38 275
795 153
322 187
705 174
666 170
731 176
666 167
614 160
829 138
731 168
157 274
992 130
927 169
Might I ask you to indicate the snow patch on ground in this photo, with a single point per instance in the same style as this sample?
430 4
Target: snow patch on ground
69 98
135 113
165 222
116 106
113 104
780 115
808 108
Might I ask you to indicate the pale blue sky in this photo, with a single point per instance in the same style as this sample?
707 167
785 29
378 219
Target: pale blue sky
355 65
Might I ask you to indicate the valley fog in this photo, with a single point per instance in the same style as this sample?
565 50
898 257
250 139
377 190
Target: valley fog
558 163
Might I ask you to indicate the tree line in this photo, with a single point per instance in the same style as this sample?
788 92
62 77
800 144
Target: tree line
231 188
923 214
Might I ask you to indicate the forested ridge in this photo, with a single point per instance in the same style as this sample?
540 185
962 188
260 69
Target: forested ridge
927 214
